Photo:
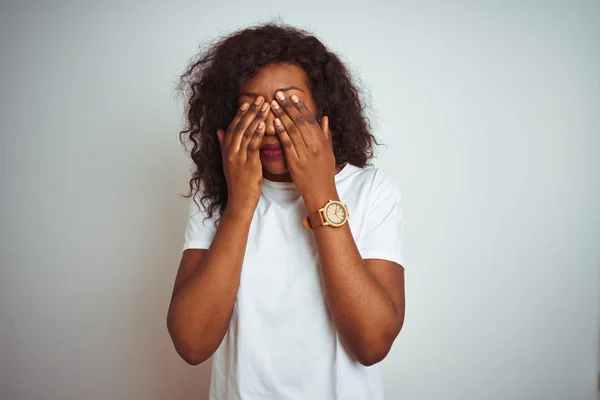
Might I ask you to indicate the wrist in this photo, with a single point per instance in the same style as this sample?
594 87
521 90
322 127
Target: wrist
315 201
239 213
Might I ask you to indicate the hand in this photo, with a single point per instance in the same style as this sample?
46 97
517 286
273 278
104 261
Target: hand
240 152
308 150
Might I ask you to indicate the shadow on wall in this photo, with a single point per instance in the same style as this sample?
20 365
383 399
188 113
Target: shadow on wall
162 373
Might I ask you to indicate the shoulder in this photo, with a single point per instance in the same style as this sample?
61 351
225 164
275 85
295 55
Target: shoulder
377 181
199 207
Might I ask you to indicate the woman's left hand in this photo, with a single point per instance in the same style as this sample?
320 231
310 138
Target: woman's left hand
308 150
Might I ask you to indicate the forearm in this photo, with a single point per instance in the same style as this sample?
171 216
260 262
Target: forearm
362 310
201 309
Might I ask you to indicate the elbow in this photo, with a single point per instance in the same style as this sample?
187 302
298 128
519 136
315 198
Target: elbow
191 356
372 354
191 352
374 347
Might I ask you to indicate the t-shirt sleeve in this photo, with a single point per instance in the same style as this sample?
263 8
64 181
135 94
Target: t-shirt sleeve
199 231
384 226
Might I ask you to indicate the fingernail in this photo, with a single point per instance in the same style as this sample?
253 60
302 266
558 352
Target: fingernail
277 122
264 107
275 105
258 100
261 125
245 106
294 98
280 95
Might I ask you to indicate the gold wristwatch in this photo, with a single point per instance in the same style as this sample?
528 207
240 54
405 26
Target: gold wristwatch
334 213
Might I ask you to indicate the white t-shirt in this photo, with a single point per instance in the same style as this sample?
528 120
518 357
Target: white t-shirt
281 342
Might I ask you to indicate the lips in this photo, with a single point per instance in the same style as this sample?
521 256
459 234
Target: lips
271 151
271 146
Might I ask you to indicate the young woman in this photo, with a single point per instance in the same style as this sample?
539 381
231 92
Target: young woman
291 274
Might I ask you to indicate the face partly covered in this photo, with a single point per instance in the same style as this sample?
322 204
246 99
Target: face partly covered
290 79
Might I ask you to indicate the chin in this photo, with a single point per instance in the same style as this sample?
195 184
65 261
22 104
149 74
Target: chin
275 168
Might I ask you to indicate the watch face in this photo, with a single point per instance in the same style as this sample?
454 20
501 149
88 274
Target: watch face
336 213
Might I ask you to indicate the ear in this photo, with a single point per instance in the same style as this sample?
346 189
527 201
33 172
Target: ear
325 127
220 136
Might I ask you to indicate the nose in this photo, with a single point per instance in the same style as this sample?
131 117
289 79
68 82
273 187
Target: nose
270 124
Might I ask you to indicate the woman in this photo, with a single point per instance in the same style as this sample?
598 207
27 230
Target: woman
295 299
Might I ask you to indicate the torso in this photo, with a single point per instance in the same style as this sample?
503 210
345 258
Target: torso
281 342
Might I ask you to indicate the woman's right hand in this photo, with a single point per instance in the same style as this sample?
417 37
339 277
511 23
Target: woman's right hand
240 147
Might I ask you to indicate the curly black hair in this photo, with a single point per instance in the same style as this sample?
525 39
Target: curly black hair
211 85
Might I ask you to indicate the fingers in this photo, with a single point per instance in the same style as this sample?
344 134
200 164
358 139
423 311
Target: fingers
230 129
252 129
306 119
246 120
281 108
288 146
255 141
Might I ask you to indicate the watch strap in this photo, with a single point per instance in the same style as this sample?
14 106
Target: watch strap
314 220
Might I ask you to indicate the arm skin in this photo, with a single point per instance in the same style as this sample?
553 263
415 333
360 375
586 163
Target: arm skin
205 289
365 297
207 281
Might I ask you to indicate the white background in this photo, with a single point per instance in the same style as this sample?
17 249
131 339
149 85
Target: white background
490 113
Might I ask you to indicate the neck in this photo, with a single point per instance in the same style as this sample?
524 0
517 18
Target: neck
286 177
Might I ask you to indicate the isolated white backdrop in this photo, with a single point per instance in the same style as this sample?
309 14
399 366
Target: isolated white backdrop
490 115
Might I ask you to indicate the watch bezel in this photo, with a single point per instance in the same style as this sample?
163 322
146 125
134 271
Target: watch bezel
325 218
